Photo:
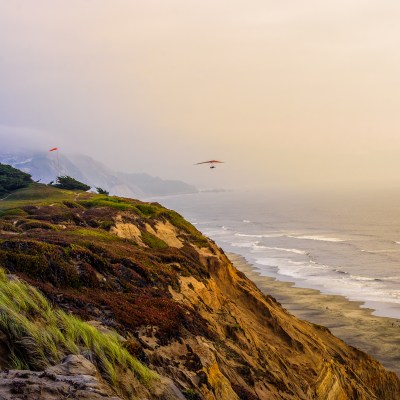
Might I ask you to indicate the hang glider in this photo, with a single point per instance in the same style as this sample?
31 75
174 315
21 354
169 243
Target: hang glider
211 162
54 149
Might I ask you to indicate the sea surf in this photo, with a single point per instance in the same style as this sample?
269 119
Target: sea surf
343 245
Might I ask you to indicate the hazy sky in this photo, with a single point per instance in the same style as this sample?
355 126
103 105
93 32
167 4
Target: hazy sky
289 90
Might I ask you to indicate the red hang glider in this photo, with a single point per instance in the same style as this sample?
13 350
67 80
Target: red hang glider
211 162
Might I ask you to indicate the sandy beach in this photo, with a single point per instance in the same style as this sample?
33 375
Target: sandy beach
377 336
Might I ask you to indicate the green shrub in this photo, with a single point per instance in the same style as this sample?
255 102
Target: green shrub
153 241
69 183
148 210
102 191
12 179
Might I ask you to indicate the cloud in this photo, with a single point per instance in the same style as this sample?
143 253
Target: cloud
19 138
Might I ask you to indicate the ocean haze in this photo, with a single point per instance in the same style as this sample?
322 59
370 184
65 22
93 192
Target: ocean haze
286 93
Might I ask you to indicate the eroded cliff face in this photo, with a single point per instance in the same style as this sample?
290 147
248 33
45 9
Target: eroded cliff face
262 351
182 307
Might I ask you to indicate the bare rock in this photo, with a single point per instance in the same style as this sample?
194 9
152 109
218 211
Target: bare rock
74 378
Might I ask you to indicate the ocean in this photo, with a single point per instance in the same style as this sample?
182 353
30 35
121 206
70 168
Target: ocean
343 244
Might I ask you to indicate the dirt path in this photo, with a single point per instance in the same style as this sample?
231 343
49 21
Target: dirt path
4 198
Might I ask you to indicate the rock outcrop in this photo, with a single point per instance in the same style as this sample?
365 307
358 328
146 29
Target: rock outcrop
74 378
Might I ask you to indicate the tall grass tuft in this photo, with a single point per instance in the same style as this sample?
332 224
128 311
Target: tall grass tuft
41 335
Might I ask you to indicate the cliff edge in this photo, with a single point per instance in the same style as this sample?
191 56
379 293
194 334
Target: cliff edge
196 327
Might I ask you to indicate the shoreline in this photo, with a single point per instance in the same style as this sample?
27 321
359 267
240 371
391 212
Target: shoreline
375 335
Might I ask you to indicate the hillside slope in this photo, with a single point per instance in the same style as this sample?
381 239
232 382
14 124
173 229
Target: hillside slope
178 304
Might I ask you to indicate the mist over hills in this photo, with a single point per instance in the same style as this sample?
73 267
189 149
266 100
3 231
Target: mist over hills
45 167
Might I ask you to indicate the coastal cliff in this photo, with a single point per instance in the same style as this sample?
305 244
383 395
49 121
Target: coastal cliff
162 312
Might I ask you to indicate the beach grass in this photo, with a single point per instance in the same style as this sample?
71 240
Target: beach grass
41 335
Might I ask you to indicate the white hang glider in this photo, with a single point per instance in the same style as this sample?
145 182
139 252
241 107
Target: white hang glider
211 162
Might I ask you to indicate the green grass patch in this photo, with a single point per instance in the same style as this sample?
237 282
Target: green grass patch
40 335
153 241
106 201
149 210
39 194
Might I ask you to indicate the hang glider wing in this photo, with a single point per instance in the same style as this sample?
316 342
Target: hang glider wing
210 162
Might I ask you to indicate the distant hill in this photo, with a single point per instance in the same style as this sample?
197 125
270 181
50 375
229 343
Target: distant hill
46 167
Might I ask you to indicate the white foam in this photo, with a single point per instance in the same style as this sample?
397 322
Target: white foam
295 264
272 235
211 233
391 278
258 247
330 280
380 251
362 278
245 244
292 236
316 237
296 251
